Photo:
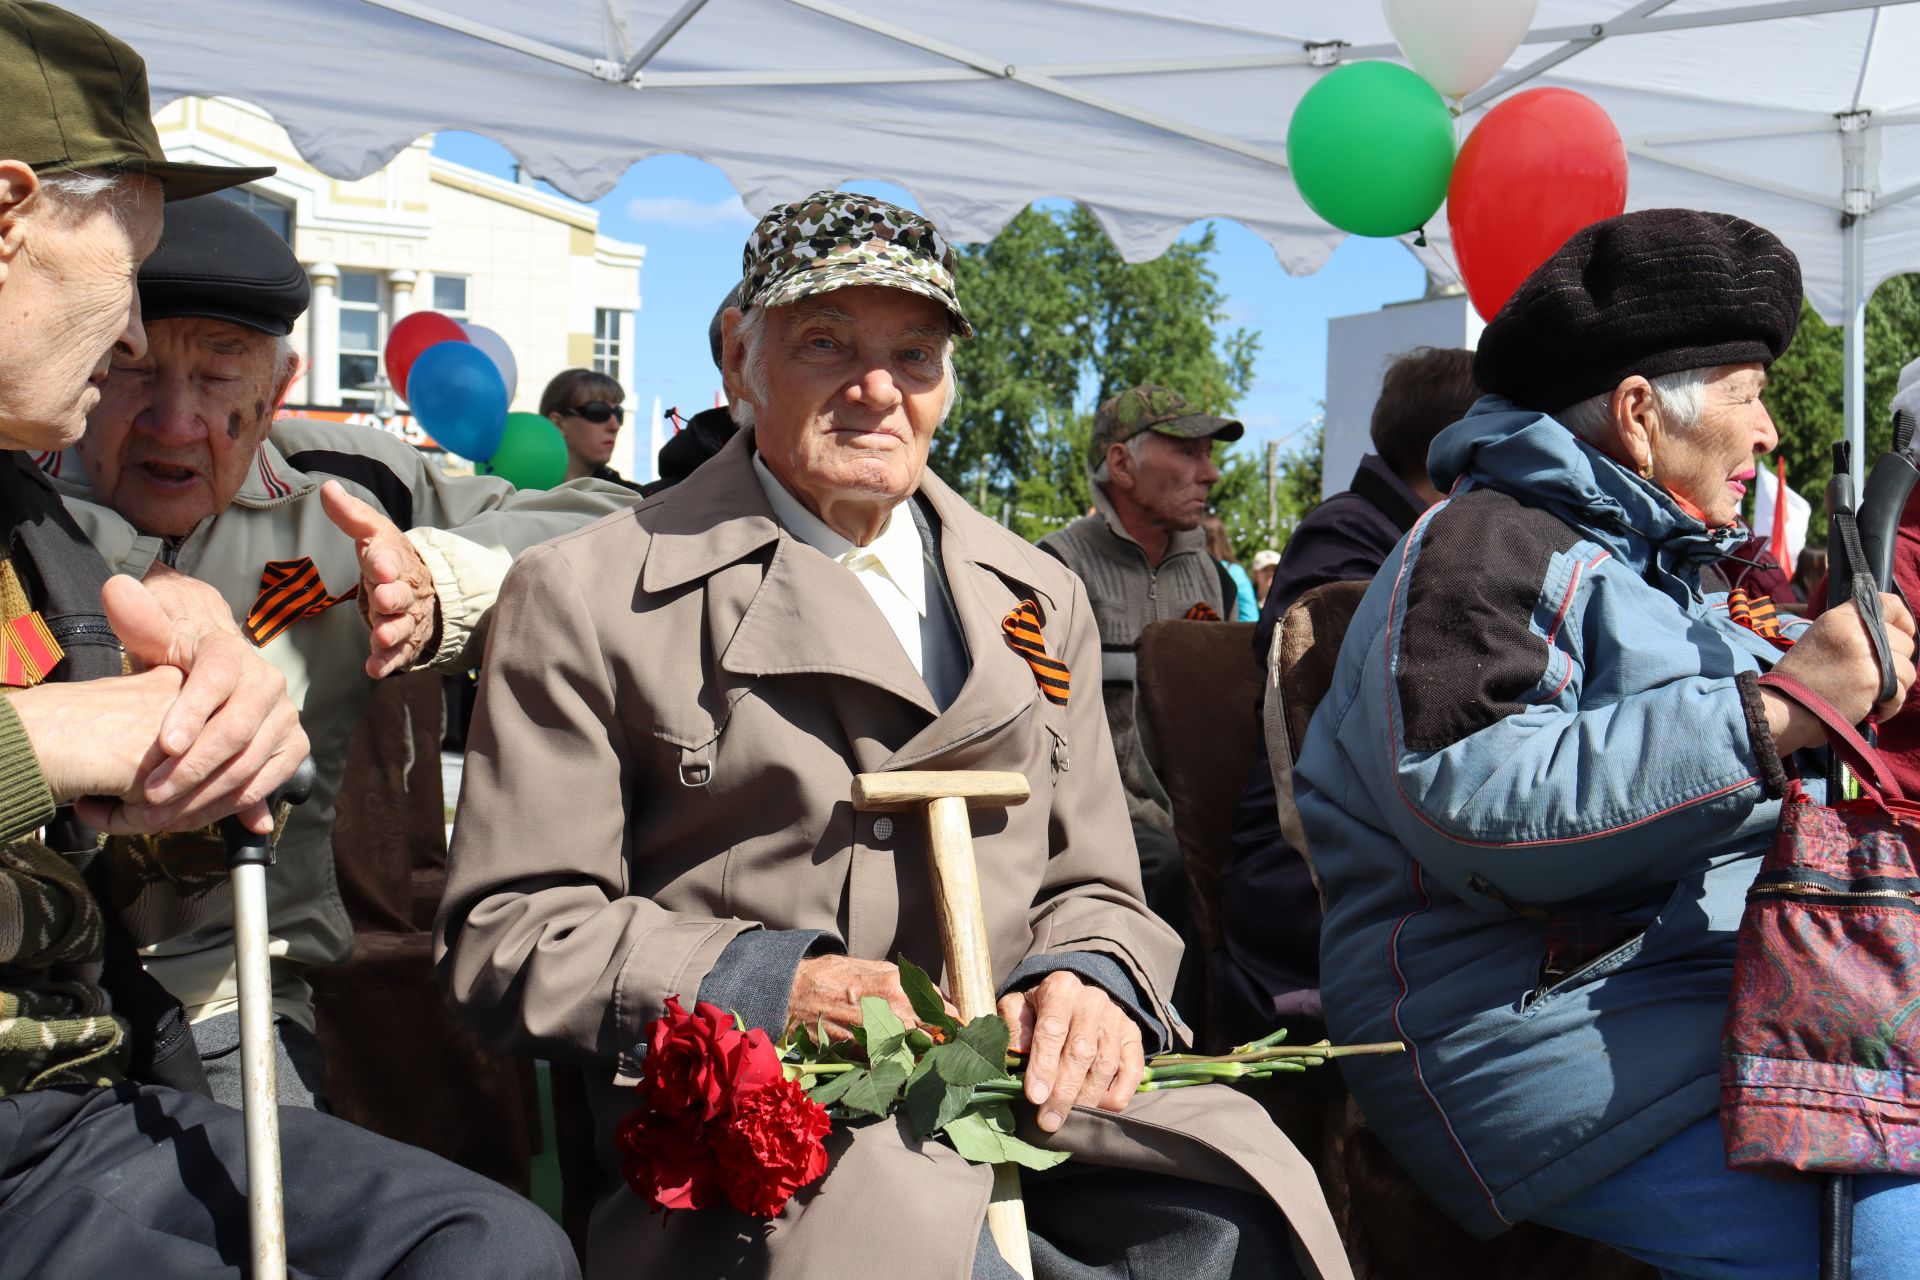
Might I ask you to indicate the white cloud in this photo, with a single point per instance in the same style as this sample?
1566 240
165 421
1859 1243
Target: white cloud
679 211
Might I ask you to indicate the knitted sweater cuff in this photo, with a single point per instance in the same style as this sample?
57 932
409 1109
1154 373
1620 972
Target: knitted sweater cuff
25 802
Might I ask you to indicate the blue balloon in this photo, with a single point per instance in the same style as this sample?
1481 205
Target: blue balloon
456 393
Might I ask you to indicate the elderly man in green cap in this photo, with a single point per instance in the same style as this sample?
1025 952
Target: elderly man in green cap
107 1169
707 675
1143 557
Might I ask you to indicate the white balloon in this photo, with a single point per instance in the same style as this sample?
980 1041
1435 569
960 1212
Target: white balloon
1459 44
498 351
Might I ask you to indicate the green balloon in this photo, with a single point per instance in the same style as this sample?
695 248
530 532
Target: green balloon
532 453
1371 149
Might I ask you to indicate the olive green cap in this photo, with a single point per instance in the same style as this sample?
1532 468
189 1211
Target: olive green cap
73 97
1149 408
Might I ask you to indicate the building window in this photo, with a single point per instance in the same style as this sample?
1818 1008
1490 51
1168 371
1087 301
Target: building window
606 342
277 214
450 295
359 337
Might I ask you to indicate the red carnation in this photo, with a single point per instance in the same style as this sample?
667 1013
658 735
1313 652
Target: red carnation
687 1070
770 1146
668 1161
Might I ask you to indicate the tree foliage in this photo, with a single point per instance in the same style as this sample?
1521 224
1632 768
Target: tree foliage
1804 389
1062 322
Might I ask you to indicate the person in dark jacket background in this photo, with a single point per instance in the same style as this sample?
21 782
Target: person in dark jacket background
1269 965
706 432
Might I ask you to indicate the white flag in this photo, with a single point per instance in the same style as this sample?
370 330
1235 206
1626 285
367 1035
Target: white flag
1799 511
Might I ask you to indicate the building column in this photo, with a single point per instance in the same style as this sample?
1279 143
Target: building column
323 331
400 282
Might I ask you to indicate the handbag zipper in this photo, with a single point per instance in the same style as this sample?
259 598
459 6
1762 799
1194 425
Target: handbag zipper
1833 897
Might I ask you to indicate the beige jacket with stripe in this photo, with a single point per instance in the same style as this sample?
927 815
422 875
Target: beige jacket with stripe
467 529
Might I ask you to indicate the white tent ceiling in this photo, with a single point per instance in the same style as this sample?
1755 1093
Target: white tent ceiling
1802 115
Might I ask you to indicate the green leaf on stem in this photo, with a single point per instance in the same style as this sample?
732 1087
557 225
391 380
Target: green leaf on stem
925 997
976 1054
876 1090
833 1088
984 1135
932 1104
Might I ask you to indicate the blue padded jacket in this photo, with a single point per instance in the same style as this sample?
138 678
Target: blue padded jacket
1536 794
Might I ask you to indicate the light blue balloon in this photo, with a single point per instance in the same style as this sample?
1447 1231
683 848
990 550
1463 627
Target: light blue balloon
457 395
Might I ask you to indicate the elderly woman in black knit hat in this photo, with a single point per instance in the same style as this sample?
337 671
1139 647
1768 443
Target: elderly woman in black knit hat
1546 772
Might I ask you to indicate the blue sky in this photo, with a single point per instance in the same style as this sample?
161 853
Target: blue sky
693 225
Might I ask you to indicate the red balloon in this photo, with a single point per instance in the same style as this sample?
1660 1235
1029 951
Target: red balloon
1536 169
414 334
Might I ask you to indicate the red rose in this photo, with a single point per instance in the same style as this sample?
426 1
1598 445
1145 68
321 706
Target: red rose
687 1071
752 1063
770 1146
668 1161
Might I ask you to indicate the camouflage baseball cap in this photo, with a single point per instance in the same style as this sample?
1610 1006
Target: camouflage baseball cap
838 239
1150 408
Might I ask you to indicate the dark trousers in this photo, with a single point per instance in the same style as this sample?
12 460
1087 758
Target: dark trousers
1089 1223
150 1182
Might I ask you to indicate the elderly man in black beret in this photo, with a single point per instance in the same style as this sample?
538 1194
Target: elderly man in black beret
1546 771
343 551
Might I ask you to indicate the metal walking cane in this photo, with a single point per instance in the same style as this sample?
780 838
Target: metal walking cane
946 796
249 854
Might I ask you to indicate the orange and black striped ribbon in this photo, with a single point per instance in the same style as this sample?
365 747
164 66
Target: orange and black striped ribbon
1023 637
1758 615
289 591
28 651
1202 612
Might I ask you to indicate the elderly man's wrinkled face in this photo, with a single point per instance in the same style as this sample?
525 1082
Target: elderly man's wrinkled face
177 427
1711 463
854 384
66 301
1169 481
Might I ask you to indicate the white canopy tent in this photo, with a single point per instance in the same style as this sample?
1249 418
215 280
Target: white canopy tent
1801 115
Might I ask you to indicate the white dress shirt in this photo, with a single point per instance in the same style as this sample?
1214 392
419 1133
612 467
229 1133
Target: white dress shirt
897 572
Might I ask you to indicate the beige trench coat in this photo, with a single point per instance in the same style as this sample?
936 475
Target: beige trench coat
674 703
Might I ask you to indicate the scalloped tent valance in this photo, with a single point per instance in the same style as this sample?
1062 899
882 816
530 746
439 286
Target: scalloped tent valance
1801 115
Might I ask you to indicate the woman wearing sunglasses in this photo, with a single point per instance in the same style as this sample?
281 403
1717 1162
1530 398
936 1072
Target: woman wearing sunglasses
585 405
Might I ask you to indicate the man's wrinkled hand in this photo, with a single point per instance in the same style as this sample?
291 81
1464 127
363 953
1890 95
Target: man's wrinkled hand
396 588
1081 1047
229 738
828 989
98 737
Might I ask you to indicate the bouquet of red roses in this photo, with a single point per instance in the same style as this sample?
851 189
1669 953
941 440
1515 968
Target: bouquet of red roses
719 1120
726 1115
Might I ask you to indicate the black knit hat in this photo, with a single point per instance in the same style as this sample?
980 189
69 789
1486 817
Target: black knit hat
1653 292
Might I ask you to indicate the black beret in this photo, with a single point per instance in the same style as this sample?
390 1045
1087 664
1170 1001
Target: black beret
218 260
1653 292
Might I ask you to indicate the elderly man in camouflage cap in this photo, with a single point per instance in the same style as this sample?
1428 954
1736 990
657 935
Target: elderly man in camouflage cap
1143 557
708 674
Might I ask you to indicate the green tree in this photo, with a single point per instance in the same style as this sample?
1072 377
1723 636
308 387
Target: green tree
1060 323
1804 389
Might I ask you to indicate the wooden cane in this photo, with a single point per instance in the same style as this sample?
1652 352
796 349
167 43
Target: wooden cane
947 796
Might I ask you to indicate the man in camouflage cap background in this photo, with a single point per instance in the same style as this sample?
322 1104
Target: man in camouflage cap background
813 603
1144 558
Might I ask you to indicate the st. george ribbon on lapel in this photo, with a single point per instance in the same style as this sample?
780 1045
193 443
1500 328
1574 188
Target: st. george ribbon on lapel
1022 628
289 591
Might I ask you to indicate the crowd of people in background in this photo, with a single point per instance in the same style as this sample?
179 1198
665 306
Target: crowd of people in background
1515 837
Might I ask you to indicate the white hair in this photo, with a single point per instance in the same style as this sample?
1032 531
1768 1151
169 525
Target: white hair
1682 397
1136 445
78 192
752 332
286 362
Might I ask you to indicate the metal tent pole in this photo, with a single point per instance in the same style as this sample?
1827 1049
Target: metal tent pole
1857 203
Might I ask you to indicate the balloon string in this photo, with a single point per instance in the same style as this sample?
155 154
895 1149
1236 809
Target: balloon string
1445 261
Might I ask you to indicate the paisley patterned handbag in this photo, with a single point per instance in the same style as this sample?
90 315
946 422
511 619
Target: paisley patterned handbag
1821 1057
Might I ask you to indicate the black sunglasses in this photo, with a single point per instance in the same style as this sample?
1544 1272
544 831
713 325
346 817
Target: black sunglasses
598 411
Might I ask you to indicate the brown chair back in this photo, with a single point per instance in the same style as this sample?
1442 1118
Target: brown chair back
1197 684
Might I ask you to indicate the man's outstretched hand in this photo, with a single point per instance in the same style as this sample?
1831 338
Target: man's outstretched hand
396 588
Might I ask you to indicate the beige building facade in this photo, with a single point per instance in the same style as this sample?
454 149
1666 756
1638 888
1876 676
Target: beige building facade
424 233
